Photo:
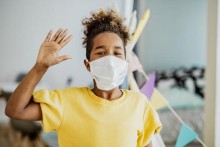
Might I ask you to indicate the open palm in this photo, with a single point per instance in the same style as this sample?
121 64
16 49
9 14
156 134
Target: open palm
48 53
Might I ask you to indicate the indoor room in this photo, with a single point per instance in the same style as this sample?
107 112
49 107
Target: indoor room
172 59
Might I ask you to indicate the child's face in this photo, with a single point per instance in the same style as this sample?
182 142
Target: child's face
105 44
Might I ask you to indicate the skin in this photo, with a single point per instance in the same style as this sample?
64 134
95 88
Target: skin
20 104
106 44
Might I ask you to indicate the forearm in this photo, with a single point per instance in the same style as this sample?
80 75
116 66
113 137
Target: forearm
20 98
19 105
149 145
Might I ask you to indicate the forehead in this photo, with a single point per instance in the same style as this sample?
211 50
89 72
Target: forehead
107 38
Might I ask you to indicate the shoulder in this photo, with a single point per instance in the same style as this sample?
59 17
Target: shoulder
74 89
44 94
136 96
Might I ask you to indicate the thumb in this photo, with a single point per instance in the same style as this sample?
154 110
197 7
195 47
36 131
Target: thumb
63 58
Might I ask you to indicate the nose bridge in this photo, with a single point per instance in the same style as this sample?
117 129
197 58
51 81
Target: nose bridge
109 51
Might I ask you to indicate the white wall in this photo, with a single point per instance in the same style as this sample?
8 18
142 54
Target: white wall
24 25
175 34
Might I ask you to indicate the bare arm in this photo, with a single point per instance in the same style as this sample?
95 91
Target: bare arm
149 145
20 104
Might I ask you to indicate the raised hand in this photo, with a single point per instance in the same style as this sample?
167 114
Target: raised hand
19 105
49 51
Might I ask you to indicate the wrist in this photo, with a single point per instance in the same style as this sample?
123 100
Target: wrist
40 67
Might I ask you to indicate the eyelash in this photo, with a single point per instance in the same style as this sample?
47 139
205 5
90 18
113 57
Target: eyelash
116 53
102 53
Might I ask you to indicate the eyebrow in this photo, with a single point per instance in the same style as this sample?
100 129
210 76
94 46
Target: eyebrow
102 46
118 47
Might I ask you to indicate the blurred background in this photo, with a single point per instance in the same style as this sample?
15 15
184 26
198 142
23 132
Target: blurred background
173 45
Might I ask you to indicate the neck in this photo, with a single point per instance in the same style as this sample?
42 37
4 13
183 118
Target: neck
110 95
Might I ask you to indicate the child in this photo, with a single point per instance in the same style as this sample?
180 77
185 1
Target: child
104 116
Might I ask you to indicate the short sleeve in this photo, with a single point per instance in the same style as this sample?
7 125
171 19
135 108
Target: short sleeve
51 104
151 126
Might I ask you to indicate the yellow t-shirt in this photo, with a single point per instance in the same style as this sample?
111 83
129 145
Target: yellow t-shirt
83 119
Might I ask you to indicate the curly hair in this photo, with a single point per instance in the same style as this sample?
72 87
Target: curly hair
103 21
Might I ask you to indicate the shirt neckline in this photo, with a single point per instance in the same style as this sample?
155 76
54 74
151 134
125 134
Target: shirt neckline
104 101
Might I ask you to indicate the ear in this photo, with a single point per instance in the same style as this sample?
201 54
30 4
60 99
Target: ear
86 63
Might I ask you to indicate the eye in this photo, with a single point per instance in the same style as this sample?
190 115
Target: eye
117 53
100 53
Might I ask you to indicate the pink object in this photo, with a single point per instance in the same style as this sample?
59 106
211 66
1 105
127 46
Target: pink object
133 63
148 87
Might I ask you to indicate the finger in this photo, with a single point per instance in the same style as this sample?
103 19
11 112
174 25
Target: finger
48 36
61 36
57 34
67 40
63 58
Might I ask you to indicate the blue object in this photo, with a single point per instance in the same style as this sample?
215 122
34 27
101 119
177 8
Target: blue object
186 135
124 85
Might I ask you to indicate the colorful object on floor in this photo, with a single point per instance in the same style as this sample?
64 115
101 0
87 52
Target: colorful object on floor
186 135
148 88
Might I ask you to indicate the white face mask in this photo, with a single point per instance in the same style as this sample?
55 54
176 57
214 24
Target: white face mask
109 72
